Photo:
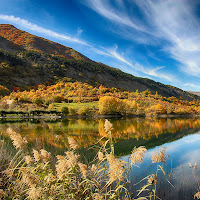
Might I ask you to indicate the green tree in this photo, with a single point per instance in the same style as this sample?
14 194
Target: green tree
65 110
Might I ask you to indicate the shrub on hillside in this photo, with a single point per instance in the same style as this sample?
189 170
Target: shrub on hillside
58 99
111 105
64 110
156 109
130 107
3 91
72 111
84 111
38 101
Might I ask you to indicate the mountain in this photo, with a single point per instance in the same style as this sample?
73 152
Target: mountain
31 42
195 93
27 60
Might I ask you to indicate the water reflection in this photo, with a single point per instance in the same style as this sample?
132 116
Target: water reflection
180 136
185 180
127 133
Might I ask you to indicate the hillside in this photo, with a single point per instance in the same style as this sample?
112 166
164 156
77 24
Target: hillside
27 60
195 93
31 42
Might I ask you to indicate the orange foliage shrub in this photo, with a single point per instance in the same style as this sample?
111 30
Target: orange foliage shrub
111 105
130 107
156 109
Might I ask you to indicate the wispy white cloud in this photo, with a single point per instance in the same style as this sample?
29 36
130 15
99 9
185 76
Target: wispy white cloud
105 9
137 66
173 24
34 27
129 27
192 85
79 32
176 22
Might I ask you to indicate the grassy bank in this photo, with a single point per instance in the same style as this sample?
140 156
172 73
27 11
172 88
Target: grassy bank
106 107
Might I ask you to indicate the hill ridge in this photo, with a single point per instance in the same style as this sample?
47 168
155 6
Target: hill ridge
39 44
27 60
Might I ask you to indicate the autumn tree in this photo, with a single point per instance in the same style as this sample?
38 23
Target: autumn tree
111 105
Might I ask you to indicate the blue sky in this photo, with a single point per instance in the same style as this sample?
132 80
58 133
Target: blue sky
157 39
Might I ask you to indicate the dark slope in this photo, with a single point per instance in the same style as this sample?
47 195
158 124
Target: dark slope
28 60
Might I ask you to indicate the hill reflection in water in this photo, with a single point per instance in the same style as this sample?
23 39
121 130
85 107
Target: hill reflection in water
127 133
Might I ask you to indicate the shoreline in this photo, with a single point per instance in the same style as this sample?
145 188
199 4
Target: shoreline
100 116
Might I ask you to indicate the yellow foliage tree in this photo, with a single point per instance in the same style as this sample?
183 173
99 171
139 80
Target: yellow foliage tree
131 107
156 109
111 105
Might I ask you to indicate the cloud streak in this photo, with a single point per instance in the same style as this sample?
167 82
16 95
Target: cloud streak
136 66
171 25
34 27
129 27
176 23
192 85
103 8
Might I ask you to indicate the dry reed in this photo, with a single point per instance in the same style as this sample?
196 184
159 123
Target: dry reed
34 193
197 195
72 143
159 156
108 126
115 168
18 141
138 154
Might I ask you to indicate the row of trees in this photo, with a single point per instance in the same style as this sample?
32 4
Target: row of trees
84 92
112 105
111 100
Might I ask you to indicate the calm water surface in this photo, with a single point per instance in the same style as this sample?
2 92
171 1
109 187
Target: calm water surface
181 137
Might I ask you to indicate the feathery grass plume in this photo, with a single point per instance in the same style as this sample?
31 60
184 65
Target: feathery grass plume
45 155
159 156
197 195
29 178
50 178
97 196
108 126
100 156
61 166
28 159
94 168
153 179
72 157
115 168
18 141
83 169
72 143
8 172
2 193
190 165
195 166
36 155
34 193
137 154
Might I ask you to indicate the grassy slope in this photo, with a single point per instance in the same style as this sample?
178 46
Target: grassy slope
77 106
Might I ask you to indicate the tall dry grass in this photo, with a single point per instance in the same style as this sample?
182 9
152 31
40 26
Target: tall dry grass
35 176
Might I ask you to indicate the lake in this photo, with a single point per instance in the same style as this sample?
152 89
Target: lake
180 137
